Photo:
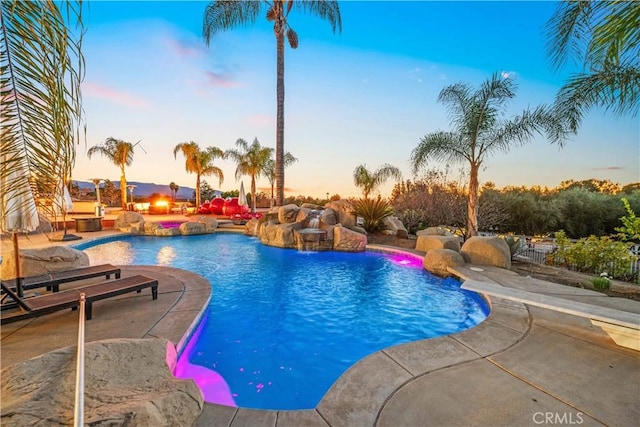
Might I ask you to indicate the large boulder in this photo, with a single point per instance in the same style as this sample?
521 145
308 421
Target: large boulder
279 235
487 250
125 219
193 227
437 261
126 382
343 210
210 223
347 240
328 217
434 231
425 243
395 227
287 213
34 262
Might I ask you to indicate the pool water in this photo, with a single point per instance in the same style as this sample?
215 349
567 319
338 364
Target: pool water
283 325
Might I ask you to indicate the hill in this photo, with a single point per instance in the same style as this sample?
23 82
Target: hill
144 189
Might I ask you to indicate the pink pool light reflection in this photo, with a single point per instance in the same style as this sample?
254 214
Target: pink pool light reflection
213 386
407 260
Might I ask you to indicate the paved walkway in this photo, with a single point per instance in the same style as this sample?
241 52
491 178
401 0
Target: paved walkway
523 365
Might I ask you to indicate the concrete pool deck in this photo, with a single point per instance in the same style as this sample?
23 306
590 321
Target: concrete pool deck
524 365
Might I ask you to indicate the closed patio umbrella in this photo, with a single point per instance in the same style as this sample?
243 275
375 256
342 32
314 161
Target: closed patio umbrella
242 197
18 209
63 205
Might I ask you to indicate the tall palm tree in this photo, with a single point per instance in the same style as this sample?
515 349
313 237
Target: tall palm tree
200 162
121 154
369 181
41 104
270 171
478 131
604 37
224 15
251 160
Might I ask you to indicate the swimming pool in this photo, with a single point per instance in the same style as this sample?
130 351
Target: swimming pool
283 325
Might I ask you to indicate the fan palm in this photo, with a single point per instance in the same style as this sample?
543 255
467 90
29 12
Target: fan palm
270 171
604 37
479 132
200 162
224 15
41 104
369 181
121 154
251 160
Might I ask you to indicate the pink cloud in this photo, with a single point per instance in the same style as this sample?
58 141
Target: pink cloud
261 120
185 49
104 92
219 80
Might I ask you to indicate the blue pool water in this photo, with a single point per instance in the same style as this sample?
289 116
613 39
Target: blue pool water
283 325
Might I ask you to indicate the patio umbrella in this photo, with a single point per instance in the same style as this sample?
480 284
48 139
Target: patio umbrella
19 213
242 198
63 205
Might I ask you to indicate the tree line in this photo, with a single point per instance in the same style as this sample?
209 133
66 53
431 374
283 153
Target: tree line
580 208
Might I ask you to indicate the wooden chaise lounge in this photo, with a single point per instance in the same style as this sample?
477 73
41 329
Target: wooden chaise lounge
49 303
53 280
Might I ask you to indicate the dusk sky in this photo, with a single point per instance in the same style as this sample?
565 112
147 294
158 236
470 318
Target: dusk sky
365 96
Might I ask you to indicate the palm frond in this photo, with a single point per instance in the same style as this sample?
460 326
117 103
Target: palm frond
326 9
444 146
42 68
221 15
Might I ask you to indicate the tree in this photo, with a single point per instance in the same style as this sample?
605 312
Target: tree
121 154
200 162
270 171
173 187
225 15
478 131
41 104
252 160
369 181
604 37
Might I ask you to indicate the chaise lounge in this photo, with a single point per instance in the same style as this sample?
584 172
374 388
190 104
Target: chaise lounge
49 303
53 280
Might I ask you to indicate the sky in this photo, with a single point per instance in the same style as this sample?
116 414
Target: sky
363 96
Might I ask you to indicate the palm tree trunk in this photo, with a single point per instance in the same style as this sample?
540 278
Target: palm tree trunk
253 194
123 190
472 206
280 118
197 192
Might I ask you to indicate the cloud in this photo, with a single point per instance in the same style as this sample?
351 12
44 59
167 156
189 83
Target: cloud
609 168
96 90
509 74
261 120
219 80
185 49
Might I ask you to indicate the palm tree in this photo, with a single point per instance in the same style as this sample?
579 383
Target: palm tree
200 162
224 15
173 187
604 37
270 171
121 154
42 69
479 131
251 160
369 181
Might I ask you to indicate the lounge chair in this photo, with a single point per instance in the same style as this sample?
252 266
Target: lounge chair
49 303
52 281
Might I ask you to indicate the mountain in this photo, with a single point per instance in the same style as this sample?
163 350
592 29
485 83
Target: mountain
146 189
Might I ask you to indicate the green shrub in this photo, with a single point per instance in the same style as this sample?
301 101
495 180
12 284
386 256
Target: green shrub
515 243
601 283
372 211
413 219
593 255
